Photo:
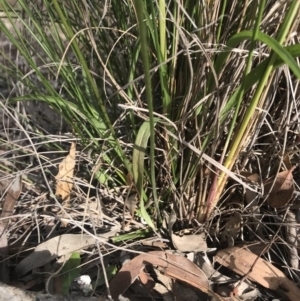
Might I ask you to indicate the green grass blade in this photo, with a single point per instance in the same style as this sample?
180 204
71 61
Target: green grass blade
254 76
281 51
138 158
141 12
69 272
285 54
139 234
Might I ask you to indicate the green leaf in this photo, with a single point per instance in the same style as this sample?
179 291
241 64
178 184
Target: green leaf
69 272
138 234
138 158
285 54
281 52
110 271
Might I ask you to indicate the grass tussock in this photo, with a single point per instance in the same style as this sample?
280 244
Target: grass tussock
188 104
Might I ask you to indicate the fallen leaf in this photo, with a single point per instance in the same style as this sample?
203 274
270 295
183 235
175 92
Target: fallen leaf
282 190
65 174
259 270
11 197
144 286
163 286
252 179
186 243
287 161
56 247
6 170
190 242
4 273
130 203
174 266
232 228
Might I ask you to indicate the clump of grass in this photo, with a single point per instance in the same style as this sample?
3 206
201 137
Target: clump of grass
170 102
176 95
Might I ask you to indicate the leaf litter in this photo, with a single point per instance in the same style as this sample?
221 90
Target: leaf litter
249 265
56 247
52 255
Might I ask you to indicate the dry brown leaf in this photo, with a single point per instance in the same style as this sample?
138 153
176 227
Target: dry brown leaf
5 173
4 272
241 262
56 247
232 228
174 266
287 161
130 203
65 174
11 197
190 242
291 239
251 196
186 243
282 190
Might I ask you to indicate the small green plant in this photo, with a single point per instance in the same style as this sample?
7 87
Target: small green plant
67 275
